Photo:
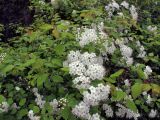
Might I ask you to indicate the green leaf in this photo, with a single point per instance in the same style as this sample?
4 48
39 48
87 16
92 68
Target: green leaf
29 62
57 79
2 98
41 78
146 87
136 90
117 74
131 105
22 102
60 49
141 74
46 27
65 113
56 63
7 68
36 109
22 113
118 95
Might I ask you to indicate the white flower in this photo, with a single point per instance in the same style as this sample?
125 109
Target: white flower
73 56
129 61
77 68
126 51
96 94
86 37
88 58
133 12
125 112
152 28
108 110
81 110
95 117
152 113
95 71
32 117
115 4
39 98
54 104
110 48
147 71
149 99
17 88
120 14
127 82
82 82
4 106
53 2
125 4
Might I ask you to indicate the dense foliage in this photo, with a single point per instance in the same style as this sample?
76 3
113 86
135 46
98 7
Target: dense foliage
83 60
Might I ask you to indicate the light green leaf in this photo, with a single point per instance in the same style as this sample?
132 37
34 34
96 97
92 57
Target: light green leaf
117 74
131 105
136 90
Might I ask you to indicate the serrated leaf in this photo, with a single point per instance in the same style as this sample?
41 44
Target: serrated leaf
136 90
59 49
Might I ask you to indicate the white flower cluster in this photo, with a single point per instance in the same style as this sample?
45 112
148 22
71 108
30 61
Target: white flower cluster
86 37
96 94
127 83
81 110
54 104
133 12
91 98
127 53
2 56
152 28
32 116
152 113
113 6
149 99
39 98
125 4
108 110
82 82
95 117
147 71
4 106
86 67
125 112
101 32
95 71
110 48
142 53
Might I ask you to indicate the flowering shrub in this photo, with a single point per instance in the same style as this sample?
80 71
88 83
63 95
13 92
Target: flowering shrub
100 62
